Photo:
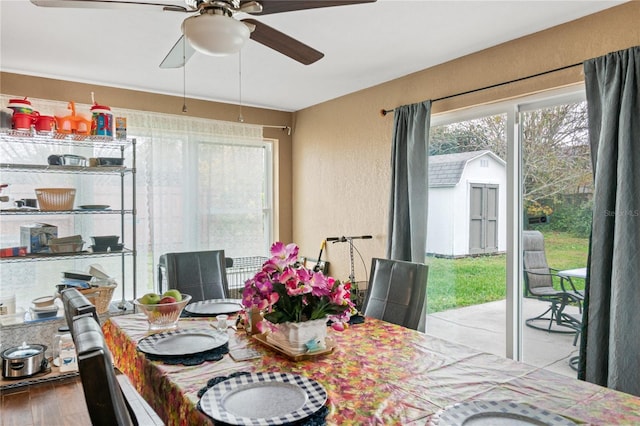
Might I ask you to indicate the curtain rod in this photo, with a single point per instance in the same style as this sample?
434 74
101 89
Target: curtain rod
287 128
384 112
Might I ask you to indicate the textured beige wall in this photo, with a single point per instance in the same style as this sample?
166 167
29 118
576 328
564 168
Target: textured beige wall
44 88
341 148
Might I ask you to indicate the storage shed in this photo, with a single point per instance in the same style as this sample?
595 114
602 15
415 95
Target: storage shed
467 204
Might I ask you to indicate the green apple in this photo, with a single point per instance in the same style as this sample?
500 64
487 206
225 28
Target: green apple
150 299
173 293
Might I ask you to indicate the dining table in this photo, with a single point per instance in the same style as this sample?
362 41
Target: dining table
376 373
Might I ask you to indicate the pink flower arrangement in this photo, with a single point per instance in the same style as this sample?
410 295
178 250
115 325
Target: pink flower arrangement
287 292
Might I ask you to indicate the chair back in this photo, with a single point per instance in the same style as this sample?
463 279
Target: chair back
536 269
202 274
397 292
102 392
75 303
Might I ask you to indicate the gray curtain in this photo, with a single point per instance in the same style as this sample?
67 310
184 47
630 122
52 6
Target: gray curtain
610 348
409 183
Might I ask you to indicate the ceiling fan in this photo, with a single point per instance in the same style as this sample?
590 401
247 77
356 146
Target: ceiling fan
213 30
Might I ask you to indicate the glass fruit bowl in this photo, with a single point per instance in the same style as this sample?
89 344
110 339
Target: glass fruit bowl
162 316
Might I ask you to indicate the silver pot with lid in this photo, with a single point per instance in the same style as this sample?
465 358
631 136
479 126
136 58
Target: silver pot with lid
23 361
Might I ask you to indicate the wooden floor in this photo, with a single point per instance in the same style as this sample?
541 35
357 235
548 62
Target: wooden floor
55 403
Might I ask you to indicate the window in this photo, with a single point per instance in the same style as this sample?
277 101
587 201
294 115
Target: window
205 195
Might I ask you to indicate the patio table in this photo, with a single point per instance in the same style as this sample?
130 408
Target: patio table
574 273
581 273
379 373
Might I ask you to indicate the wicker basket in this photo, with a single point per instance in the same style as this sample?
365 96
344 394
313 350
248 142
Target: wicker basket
100 296
52 199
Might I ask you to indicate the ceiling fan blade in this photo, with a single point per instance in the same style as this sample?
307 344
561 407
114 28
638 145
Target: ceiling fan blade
109 4
279 6
175 58
252 7
282 43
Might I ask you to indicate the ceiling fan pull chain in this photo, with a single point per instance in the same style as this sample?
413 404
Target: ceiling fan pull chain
240 117
184 75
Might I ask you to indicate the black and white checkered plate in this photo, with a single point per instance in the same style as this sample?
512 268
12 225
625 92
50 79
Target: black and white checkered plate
214 307
263 399
182 342
498 413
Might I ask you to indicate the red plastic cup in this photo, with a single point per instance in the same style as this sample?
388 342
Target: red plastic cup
45 123
21 121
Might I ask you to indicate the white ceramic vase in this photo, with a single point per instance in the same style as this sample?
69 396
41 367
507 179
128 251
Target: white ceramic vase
298 337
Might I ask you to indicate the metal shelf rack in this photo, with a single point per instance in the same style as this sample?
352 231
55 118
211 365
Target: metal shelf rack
73 142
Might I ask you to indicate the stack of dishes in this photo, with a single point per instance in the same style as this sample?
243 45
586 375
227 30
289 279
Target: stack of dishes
43 307
74 279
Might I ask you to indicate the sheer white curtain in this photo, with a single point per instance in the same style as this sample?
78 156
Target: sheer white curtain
205 187
201 184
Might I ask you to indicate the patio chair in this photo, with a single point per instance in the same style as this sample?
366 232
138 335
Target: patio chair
538 283
110 397
397 293
202 274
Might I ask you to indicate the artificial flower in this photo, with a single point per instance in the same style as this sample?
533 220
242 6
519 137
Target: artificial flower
287 292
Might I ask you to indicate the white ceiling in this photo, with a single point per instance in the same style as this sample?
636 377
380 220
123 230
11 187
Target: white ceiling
364 45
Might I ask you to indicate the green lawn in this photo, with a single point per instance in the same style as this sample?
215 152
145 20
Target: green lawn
470 281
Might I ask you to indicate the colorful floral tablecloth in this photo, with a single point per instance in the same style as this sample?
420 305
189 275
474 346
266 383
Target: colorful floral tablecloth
379 373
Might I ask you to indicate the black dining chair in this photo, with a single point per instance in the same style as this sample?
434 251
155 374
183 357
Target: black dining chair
110 397
201 274
397 293
75 304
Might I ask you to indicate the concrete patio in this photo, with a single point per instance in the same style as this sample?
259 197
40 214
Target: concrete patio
483 327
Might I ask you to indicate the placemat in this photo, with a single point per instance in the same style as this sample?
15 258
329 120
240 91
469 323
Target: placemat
356 319
185 314
195 359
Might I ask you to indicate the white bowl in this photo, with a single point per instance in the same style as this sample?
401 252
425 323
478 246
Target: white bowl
43 302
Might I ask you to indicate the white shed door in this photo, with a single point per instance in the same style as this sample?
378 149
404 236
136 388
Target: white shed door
483 212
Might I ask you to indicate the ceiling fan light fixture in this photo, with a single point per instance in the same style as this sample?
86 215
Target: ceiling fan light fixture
215 35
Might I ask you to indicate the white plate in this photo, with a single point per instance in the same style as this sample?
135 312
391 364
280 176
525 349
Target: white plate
214 307
497 413
182 342
275 399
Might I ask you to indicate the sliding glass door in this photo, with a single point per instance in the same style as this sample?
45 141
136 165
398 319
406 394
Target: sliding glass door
557 188
495 174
